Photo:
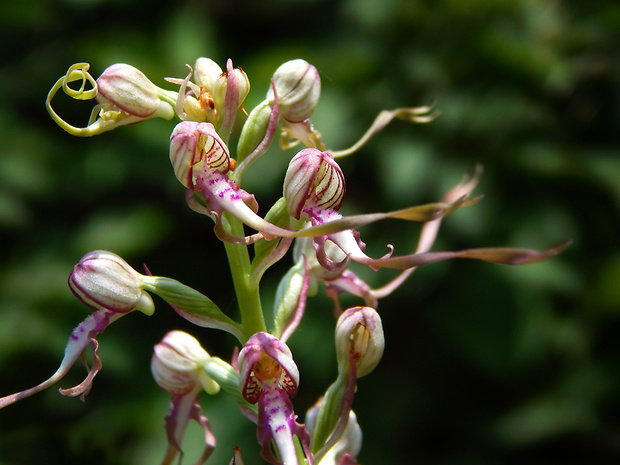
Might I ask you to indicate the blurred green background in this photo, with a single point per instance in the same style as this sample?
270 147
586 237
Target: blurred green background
484 364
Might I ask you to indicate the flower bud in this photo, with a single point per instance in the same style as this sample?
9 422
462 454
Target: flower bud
298 86
103 280
221 84
197 146
350 442
359 334
254 129
131 91
288 295
176 365
264 358
206 72
313 180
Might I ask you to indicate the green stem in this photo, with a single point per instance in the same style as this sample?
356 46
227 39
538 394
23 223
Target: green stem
248 297
329 411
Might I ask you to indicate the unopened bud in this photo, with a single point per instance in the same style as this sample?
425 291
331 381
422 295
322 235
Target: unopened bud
221 84
254 129
206 72
298 86
197 146
350 441
359 334
103 280
132 92
313 180
176 364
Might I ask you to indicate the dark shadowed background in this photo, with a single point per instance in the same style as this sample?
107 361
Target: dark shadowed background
484 364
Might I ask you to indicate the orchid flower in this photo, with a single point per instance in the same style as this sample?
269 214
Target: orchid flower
214 97
299 85
202 163
268 376
314 190
359 347
123 93
343 280
106 283
177 368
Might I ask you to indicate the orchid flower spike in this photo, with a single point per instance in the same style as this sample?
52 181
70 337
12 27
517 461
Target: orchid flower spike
268 376
123 93
177 368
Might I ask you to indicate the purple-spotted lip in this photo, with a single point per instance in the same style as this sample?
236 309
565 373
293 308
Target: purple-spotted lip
252 352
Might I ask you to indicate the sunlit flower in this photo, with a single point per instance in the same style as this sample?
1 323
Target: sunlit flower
359 347
197 148
103 280
298 86
123 93
313 188
129 90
